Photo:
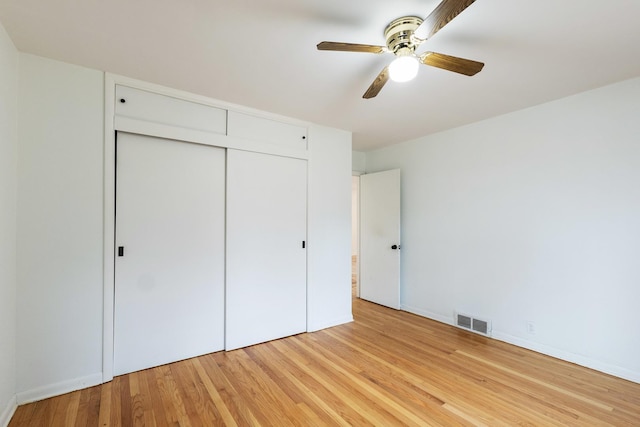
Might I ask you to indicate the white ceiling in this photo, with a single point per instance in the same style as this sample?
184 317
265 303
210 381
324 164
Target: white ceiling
262 54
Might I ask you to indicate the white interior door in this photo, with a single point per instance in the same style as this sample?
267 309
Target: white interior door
169 275
266 261
380 238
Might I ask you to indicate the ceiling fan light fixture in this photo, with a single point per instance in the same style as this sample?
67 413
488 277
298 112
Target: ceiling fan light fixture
404 68
403 37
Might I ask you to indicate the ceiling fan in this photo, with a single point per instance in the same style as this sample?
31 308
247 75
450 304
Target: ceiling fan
403 36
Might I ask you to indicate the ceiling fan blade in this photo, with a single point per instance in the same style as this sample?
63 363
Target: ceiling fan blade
377 84
351 47
441 16
452 63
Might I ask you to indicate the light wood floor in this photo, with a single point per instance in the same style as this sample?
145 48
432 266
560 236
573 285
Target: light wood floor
387 368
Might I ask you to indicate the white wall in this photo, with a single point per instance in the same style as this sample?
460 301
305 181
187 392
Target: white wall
329 228
59 309
531 216
8 186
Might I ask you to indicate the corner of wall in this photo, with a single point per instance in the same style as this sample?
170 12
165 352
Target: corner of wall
358 161
9 64
7 413
50 390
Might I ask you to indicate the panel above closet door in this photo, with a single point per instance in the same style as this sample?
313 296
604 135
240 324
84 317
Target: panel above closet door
266 293
266 131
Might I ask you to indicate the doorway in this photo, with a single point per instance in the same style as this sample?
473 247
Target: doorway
355 236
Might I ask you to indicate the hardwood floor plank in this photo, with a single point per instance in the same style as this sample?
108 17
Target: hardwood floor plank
267 404
126 414
221 412
137 401
295 384
115 409
399 367
411 372
269 384
352 391
148 410
530 400
72 409
193 401
442 388
22 415
83 407
349 401
388 367
226 388
155 399
93 405
59 416
354 374
172 397
104 417
43 412
328 403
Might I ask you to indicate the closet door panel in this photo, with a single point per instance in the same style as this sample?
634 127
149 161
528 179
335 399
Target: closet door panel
170 223
266 292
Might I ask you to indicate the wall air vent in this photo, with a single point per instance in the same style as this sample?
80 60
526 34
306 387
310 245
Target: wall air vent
480 326
464 321
473 324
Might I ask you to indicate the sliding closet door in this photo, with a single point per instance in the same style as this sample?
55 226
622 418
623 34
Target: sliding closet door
266 257
170 234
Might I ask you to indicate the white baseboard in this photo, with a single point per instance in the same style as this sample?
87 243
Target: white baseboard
597 365
329 324
8 412
57 389
429 315
616 371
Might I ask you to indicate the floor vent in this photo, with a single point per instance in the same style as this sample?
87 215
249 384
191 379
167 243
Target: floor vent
473 324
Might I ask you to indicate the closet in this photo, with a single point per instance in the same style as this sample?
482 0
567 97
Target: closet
211 223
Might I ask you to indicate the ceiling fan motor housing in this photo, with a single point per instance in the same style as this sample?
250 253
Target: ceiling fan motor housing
399 34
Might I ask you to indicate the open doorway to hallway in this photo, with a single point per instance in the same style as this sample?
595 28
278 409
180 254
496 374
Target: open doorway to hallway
355 235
